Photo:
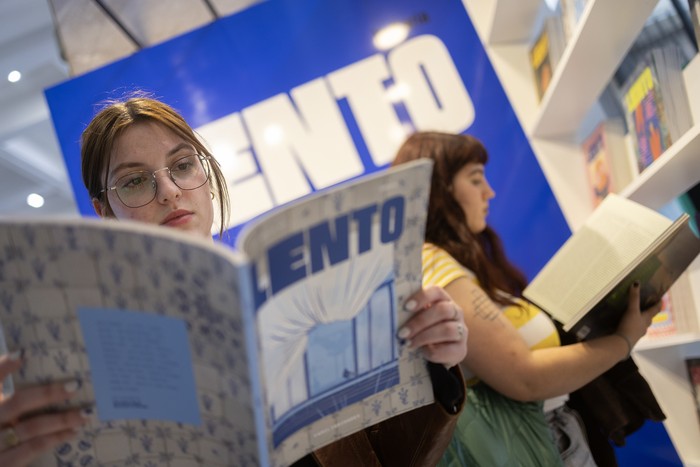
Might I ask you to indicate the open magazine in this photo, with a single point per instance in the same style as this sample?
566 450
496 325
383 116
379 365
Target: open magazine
194 353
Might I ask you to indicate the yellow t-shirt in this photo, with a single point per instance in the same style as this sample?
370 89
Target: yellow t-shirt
534 325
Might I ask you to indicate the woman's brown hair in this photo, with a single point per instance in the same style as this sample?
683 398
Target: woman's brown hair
446 226
114 118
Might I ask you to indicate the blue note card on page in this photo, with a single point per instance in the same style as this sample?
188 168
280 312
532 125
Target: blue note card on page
141 366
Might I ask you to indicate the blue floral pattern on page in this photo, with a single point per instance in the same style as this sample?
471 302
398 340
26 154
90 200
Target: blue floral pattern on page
50 272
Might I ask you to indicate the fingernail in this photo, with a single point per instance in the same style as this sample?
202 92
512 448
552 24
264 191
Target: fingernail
403 333
408 344
410 305
71 386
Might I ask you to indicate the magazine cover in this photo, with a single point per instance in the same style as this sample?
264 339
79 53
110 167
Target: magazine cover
647 118
598 165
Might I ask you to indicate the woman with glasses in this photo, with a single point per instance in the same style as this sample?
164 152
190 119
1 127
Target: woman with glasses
142 161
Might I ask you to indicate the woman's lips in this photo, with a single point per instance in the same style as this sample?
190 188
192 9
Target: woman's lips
177 218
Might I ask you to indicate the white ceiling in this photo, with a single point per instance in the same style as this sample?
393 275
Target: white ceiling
30 160
90 33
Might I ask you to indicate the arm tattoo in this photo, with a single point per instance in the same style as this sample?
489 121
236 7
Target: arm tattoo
483 306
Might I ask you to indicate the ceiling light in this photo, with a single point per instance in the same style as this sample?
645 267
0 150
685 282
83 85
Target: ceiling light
14 76
390 35
35 200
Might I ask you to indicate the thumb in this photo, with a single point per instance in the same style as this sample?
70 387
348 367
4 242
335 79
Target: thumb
9 363
634 294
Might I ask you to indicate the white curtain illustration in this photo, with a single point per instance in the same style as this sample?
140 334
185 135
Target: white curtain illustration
286 321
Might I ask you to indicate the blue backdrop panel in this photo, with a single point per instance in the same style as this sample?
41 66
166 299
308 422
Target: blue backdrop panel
270 49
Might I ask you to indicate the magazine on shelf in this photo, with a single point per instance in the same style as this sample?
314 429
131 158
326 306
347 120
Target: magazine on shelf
194 353
585 285
546 51
656 104
609 165
664 323
598 161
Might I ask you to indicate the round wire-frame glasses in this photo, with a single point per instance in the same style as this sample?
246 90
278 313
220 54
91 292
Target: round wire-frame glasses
140 187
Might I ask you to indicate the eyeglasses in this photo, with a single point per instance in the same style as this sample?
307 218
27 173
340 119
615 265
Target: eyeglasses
139 188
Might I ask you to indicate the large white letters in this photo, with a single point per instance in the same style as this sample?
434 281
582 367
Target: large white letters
437 99
247 186
311 141
362 83
302 143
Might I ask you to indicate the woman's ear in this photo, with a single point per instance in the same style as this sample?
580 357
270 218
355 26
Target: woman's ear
98 207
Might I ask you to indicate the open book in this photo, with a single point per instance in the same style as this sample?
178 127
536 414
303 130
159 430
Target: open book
585 285
194 353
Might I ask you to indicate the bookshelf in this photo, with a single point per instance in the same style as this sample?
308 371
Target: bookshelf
555 127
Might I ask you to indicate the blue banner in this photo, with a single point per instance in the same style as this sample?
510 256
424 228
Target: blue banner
292 97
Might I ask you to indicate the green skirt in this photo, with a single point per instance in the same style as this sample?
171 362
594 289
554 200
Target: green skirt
495 431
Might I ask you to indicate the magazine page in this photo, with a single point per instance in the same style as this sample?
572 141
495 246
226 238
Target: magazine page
147 319
330 275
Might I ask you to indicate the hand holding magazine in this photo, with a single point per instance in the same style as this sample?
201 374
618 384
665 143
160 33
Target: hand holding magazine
585 285
197 354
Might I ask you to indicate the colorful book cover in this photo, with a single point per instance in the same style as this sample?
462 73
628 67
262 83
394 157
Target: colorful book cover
647 118
598 168
541 62
664 323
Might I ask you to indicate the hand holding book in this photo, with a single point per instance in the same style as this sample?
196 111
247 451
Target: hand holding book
635 322
24 437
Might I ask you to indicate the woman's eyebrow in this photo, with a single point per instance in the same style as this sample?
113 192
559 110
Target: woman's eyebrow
127 165
136 164
179 148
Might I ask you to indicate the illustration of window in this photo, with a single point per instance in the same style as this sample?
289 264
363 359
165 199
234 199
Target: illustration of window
344 362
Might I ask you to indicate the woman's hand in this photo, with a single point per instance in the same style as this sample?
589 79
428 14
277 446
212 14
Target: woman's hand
437 327
23 436
635 321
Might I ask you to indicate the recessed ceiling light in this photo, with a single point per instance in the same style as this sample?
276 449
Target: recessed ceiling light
14 76
390 35
35 200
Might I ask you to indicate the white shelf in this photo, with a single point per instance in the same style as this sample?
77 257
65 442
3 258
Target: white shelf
672 340
589 62
504 21
666 372
672 174
603 36
512 20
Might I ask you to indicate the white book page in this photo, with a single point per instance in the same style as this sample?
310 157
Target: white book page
617 232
